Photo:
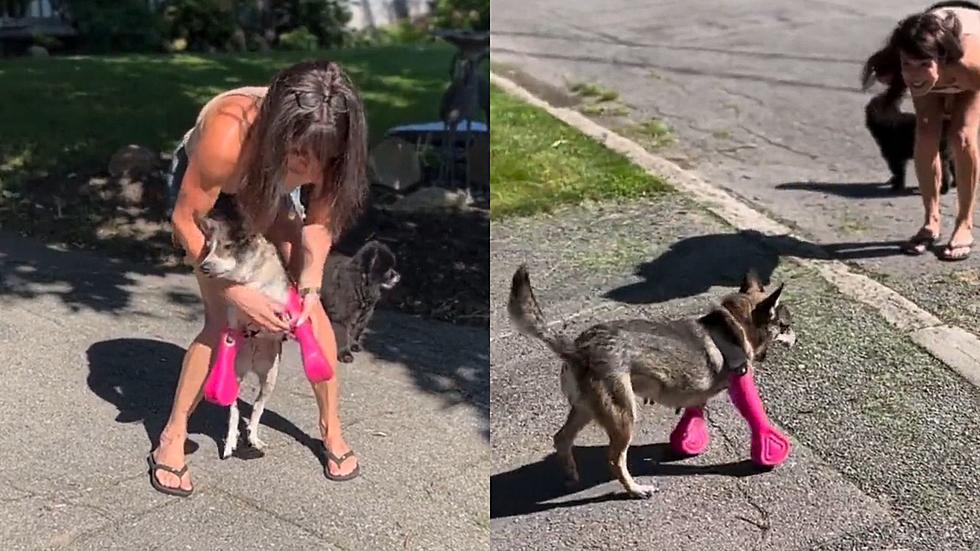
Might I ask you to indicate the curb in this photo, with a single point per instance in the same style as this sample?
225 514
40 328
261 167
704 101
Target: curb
955 347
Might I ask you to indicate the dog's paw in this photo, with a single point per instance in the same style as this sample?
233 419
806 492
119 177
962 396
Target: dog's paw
643 492
256 442
355 347
229 448
346 357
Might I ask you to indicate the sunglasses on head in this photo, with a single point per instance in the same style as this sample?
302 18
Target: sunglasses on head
312 100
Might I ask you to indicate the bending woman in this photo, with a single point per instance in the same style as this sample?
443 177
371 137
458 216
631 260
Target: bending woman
255 147
937 55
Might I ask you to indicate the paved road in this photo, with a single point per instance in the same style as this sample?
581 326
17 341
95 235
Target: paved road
763 99
91 351
886 452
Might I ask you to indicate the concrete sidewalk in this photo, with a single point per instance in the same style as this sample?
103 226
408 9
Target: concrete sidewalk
885 453
92 349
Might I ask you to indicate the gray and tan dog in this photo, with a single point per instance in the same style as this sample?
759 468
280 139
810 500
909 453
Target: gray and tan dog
679 363
251 260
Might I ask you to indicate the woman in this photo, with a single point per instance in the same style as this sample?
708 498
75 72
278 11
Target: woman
254 147
937 53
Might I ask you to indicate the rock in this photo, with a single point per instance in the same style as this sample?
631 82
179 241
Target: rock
133 161
37 51
238 43
148 192
429 199
259 43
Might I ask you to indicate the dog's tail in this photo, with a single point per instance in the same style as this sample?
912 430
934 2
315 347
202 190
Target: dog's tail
527 317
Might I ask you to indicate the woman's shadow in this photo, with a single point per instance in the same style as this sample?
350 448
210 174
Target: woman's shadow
692 266
139 377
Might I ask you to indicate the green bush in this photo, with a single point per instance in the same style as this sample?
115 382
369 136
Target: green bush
403 32
116 25
462 14
326 19
50 43
202 24
298 39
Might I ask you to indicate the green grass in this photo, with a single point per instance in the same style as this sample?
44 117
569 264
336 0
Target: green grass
590 90
539 163
652 134
72 113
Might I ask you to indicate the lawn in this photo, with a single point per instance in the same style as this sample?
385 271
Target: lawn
71 113
538 162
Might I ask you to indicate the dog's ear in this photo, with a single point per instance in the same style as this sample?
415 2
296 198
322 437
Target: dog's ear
751 282
767 309
368 254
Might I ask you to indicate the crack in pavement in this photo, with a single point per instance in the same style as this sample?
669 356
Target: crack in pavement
253 505
764 525
135 517
774 143
751 98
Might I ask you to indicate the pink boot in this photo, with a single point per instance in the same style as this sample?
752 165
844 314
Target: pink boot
690 436
221 386
769 446
315 364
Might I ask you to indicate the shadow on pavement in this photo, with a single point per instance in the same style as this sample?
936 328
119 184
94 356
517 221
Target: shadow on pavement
526 489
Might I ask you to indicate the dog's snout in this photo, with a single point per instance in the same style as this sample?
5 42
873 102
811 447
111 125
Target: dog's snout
205 268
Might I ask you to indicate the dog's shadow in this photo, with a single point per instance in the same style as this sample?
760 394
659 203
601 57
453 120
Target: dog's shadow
139 377
527 489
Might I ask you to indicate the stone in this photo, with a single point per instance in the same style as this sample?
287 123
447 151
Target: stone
133 161
431 199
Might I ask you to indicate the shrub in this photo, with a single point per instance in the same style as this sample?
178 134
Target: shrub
201 24
462 14
298 39
116 25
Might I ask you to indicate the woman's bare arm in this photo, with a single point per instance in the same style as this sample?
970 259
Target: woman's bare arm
210 170
317 240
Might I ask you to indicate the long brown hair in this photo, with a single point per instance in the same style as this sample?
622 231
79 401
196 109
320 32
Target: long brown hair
919 36
311 108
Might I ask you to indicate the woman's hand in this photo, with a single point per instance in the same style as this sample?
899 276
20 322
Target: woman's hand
310 300
258 308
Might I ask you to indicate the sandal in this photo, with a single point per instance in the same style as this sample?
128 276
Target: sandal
919 243
338 461
158 486
948 252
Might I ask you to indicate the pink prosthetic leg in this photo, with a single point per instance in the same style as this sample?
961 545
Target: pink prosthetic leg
690 436
317 368
769 446
221 386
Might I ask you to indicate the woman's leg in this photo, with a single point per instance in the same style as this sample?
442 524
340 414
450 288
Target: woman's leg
929 119
965 123
287 233
929 112
194 370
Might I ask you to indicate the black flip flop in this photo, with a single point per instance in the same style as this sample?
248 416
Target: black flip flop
154 467
947 252
919 243
339 461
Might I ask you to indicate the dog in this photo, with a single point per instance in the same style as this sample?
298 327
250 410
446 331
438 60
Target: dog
678 363
355 285
894 132
251 260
